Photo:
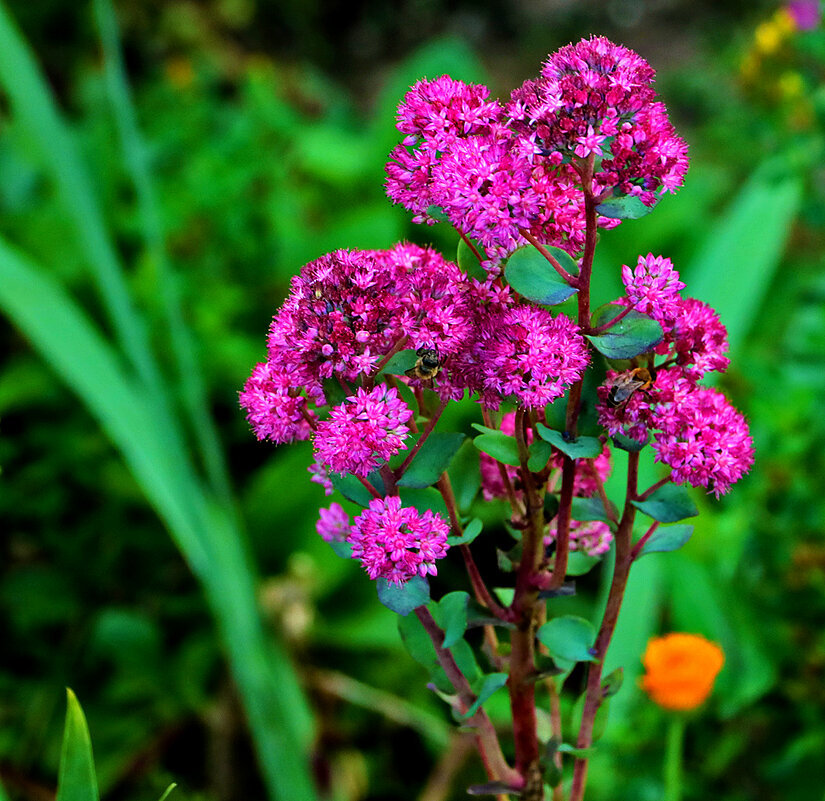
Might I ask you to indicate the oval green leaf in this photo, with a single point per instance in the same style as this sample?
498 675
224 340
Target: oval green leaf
432 460
667 538
569 637
668 504
397 365
534 278
403 598
539 454
500 446
626 207
577 448
633 335
471 531
451 614
489 684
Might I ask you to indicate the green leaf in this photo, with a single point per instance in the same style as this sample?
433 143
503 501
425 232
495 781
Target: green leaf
424 499
626 207
398 364
628 443
351 488
471 531
403 598
489 684
579 753
612 683
579 563
633 335
342 549
500 446
748 239
577 448
432 460
505 595
534 278
568 637
420 647
451 614
467 260
168 791
77 780
668 504
465 475
584 509
437 213
539 454
667 538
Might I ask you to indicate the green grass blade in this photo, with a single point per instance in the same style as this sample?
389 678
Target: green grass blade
134 150
32 103
77 780
206 535
735 266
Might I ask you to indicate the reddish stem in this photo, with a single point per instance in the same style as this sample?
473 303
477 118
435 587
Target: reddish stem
568 277
470 245
600 329
486 737
637 548
651 489
386 360
621 571
399 471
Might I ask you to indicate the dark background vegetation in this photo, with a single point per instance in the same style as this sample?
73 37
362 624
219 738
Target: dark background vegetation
267 126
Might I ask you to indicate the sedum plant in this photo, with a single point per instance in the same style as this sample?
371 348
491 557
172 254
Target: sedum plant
371 347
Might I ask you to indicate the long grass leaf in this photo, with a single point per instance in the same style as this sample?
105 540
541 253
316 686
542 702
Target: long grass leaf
204 532
734 268
134 150
32 103
77 780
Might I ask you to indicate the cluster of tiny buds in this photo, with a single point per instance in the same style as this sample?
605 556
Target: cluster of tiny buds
505 175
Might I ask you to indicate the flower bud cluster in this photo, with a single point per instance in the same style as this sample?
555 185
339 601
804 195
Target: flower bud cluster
695 430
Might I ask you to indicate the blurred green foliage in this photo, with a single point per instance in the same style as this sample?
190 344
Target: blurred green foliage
261 164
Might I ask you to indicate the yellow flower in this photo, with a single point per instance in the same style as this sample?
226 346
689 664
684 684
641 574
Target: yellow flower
680 670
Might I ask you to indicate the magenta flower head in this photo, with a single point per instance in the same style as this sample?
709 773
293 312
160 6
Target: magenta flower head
701 436
434 115
699 339
597 98
347 310
363 432
333 523
397 543
483 184
275 410
526 353
653 288
806 14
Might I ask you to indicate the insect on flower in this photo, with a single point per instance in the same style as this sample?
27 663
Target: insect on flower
625 384
426 367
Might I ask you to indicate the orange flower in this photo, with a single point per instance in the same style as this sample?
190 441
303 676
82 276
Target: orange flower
680 670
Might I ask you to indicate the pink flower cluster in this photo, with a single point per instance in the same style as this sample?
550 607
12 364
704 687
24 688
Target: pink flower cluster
344 313
696 431
333 524
496 169
653 288
596 97
363 432
397 543
525 353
